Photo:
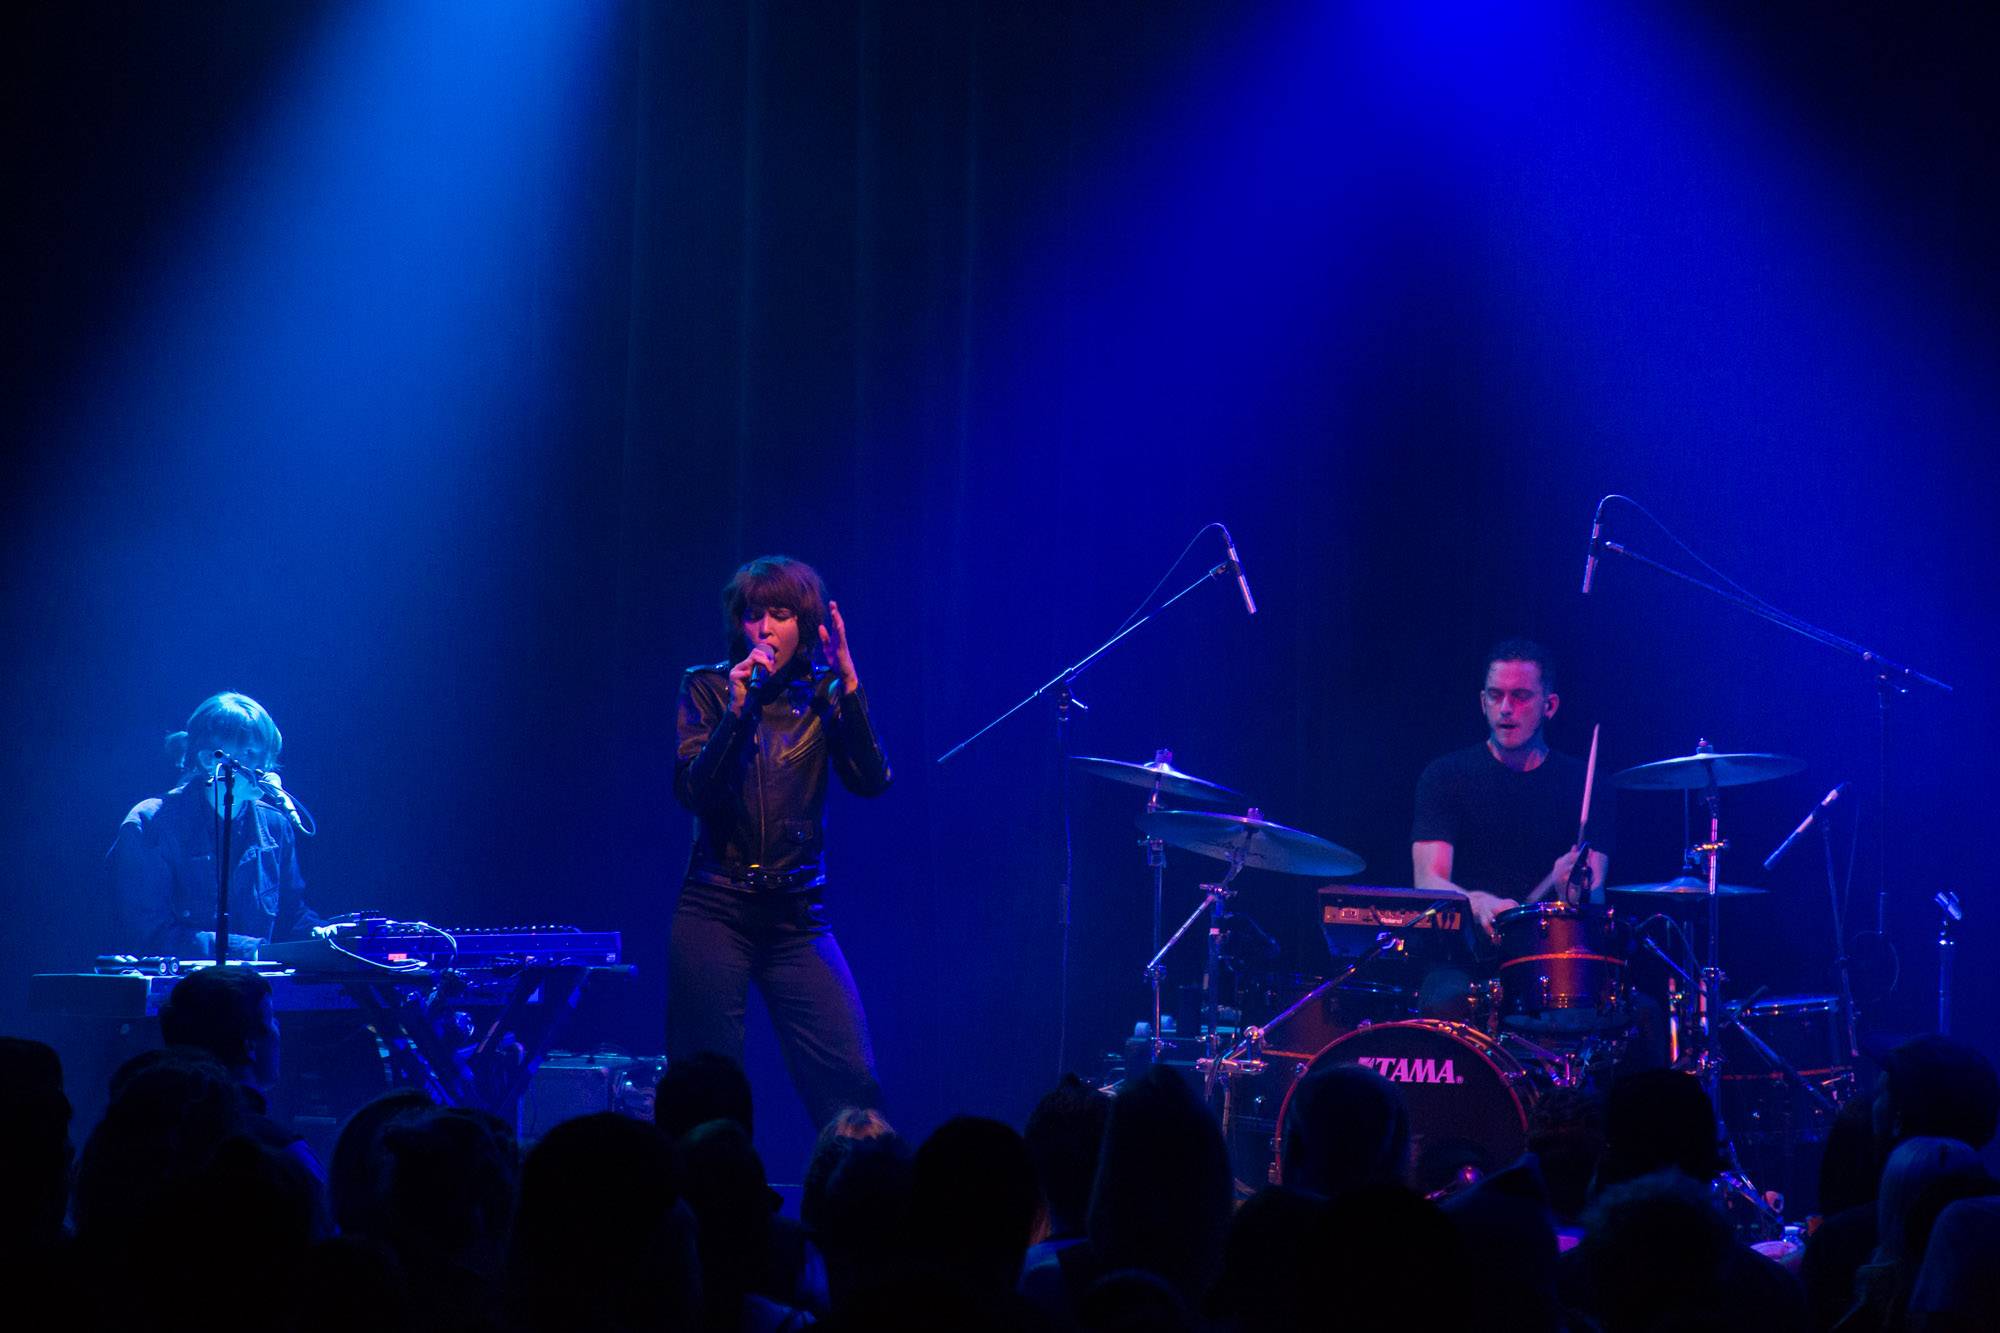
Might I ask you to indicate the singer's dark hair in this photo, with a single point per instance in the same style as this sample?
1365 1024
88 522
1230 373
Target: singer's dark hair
775 580
1522 650
231 722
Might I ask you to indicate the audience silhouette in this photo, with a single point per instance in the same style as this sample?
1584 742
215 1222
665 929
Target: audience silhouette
434 1220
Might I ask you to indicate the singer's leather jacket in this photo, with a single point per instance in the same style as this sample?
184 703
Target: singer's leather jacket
757 784
163 882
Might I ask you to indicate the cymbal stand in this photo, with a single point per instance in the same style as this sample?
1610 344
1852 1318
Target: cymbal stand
1708 988
1156 861
1709 1027
1949 915
1215 898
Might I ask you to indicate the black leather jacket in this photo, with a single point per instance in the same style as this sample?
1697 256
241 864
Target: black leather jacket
757 784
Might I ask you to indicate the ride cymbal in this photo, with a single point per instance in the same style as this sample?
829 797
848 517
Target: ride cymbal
1701 770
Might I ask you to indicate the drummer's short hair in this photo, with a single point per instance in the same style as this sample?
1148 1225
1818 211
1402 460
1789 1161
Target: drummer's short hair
1523 650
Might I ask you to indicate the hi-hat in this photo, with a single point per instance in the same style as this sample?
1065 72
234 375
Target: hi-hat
1158 776
1704 769
1687 886
1251 840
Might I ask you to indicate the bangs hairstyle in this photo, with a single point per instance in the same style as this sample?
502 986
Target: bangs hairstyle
775 580
231 722
1522 650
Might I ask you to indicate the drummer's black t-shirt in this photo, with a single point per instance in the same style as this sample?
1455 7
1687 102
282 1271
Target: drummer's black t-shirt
1506 829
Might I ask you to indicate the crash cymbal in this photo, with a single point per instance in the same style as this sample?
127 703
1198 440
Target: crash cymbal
1687 886
1697 771
1251 840
1158 775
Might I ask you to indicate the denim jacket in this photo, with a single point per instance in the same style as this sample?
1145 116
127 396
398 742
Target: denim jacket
162 869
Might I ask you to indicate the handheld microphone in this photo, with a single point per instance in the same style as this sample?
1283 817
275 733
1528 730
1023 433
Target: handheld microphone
1235 563
1590 554
1811 818
758 675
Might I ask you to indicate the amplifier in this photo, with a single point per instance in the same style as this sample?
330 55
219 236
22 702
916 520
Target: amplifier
1354 916
567 1086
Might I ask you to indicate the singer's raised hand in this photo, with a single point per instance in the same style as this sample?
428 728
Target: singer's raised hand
833 643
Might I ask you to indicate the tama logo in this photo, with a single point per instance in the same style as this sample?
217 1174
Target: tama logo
1398 1070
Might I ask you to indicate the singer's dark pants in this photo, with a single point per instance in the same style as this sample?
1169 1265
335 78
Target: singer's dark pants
723 939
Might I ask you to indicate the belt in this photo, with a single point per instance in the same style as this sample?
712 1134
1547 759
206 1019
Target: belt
774 881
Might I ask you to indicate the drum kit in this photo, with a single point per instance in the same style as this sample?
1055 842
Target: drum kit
1472 1057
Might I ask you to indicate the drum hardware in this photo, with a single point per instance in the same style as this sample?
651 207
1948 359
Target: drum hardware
1246 840
1160 778
1949 915
1214 898
1706 772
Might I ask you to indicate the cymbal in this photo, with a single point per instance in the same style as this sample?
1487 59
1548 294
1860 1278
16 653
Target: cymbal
1687 886
1251 840
1164 777
1693 772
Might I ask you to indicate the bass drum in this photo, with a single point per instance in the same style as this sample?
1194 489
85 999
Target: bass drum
1467 1096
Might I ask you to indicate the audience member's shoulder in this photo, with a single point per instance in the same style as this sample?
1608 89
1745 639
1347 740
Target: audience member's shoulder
1959 1283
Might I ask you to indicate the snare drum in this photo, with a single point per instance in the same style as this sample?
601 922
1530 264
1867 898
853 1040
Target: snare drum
1562 968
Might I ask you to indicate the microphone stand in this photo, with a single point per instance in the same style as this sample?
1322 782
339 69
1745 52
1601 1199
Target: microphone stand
1063 685
226 815
1890 677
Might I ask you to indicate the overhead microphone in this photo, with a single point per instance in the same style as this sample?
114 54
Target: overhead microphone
1811 818
1236 564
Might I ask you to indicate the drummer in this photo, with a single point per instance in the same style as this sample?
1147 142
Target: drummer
1498 820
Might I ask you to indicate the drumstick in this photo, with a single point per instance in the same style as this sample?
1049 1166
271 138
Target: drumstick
1583 820
1589 777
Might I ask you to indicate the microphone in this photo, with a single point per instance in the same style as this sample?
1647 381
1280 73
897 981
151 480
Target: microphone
274 787
1242 584
1811 818
1590 553
758 675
